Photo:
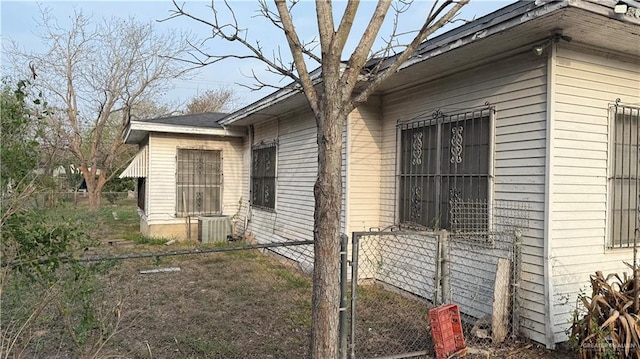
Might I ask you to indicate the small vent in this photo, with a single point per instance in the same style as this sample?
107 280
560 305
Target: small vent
213 229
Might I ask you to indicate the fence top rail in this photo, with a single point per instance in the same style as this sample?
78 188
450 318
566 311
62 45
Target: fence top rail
88 259
394 232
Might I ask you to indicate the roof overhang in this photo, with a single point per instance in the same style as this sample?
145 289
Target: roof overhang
588 23
512 29
137 131
281 101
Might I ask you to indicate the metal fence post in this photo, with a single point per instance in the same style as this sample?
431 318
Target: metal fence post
446 267
343 296
437 277
517 259
355 238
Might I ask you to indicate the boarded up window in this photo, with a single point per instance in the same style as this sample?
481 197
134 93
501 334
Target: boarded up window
198 182
263 177
625 205
443 161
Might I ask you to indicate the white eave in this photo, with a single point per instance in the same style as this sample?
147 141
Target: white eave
274 102
138 130
523 23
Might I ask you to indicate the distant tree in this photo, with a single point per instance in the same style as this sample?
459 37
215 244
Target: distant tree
98 74
332 94
219 100
19 156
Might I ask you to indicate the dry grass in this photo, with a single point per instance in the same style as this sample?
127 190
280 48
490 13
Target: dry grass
609 326
241 304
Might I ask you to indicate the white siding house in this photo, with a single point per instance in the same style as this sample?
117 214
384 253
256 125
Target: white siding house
586 82
546 120
156 166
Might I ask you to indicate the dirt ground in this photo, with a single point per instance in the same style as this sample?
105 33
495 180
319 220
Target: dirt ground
240 304
248 305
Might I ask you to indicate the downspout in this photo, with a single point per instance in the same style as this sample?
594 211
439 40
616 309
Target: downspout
548 200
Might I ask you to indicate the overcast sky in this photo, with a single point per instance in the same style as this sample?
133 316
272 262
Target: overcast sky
19 22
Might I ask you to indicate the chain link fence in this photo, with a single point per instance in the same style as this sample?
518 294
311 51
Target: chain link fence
474 265
393 286
51 199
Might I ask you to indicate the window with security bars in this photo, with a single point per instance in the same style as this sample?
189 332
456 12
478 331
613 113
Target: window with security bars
263 177
624 175
198 182
444 163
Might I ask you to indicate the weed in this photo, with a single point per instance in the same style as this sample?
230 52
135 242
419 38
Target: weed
292 280
209 347
154 241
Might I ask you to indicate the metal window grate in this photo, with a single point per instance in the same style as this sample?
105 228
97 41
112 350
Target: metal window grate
198 182
263 177
624 175
443 160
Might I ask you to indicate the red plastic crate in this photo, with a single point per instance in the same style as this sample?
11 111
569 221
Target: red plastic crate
446 330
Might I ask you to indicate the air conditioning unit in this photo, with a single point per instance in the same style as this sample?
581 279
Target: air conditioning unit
213 229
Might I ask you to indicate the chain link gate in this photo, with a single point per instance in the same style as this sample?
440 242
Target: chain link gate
398 275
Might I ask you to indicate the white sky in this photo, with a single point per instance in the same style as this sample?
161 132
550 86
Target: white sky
19 23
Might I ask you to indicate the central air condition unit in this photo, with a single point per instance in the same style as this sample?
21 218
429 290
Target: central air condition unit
213 229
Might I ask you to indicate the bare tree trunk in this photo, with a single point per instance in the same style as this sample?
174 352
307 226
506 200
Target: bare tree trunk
328 204
94 187
94 199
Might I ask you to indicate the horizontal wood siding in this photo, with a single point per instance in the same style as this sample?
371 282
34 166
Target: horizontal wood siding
365 126
404 261
517 88
161 179
296 171
586 83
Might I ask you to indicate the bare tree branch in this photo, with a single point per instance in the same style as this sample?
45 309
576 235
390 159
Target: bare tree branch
431 24
296 51
96 73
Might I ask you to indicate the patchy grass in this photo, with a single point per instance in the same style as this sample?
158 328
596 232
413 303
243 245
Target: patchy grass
110 222
140 239
237 304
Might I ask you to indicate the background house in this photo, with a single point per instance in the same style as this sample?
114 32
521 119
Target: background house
187 166
535 104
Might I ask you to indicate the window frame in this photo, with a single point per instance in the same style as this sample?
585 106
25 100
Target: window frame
611 243
178 187
439 119
256 151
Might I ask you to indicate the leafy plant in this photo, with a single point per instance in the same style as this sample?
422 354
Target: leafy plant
605 325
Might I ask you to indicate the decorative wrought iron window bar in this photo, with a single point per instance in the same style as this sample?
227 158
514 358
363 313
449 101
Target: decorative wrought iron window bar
445 162
198 182
624 175
263 176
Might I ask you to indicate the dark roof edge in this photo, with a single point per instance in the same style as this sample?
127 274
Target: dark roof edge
502 19
275 97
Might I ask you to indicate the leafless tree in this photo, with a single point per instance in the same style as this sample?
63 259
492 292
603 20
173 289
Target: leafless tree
337 89
98 73
222 99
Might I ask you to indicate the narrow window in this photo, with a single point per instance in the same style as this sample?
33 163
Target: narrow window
444 164
142 189
624 207
263 177
198 182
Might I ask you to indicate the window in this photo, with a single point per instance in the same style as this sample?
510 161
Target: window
142 189
263 177
198 182
624 176
444 161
